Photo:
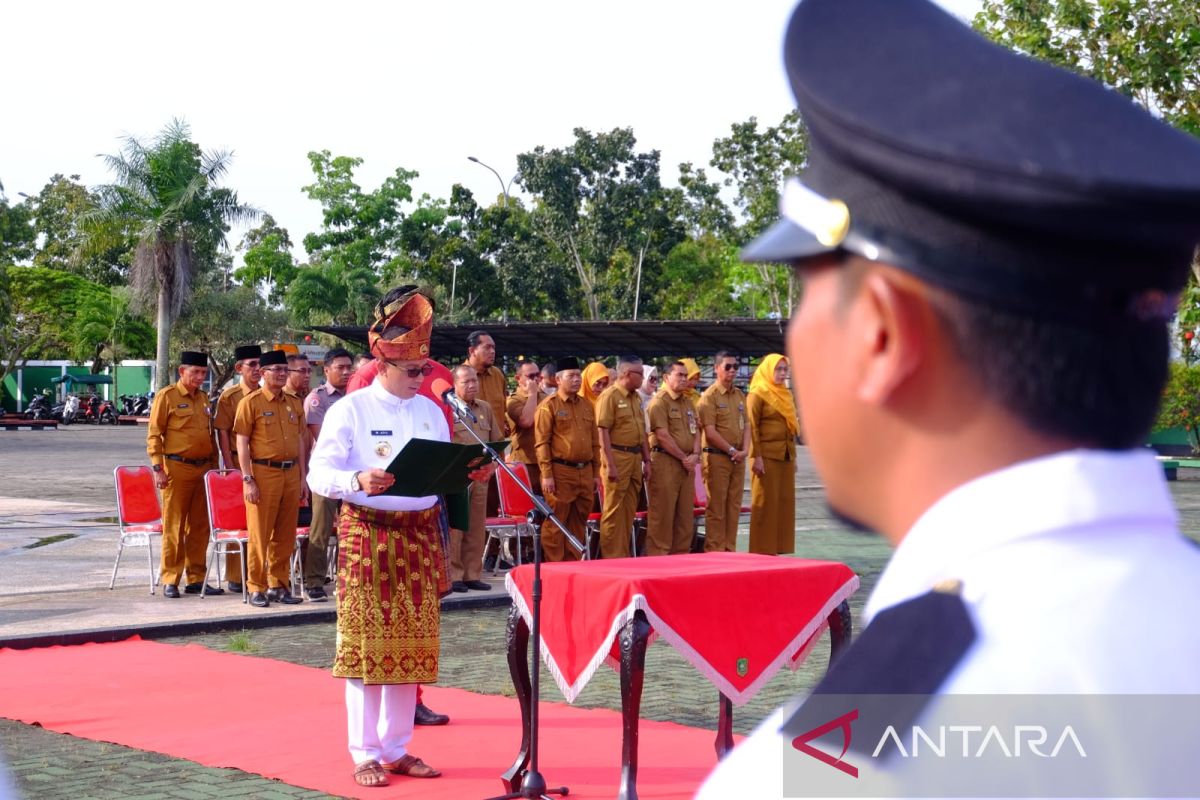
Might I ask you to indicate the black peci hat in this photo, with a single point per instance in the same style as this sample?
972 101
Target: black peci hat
570 362
987 173
272 358
193 358
244 352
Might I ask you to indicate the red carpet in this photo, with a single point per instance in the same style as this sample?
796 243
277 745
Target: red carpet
285 721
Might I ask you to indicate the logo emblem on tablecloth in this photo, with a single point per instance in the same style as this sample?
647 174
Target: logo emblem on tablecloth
743 666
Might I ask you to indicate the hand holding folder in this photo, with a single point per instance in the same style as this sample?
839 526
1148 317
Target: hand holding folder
426 467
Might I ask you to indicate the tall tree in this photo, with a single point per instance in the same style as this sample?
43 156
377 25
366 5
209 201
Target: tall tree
1148 50
166 197
594 199
756 162
267 259
217 321
16 231
104 329
58 212
22 332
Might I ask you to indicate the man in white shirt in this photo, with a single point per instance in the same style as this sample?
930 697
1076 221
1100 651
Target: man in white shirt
384 649
991 251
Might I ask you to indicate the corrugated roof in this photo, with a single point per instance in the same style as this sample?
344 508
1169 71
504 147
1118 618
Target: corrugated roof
646 338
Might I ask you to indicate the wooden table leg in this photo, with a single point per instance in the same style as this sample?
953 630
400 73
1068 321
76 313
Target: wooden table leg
724 726
517 636
632 641
840 628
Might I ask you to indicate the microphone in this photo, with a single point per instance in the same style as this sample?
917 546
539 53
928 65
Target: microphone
444 390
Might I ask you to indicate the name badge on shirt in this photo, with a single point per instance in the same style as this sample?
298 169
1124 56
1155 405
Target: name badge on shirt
691 423
622 405
381 433
562 413
268 413
182 405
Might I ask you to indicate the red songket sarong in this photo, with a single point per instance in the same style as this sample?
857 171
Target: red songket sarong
390 577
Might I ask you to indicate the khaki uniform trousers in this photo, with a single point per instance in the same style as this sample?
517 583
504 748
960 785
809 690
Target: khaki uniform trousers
316 562
572 501
620 505
724 481
670 523
272 524
184 523
466 547
773 508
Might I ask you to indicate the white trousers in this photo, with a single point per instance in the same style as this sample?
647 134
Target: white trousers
379 719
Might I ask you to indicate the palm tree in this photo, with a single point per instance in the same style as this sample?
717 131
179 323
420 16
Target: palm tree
165 200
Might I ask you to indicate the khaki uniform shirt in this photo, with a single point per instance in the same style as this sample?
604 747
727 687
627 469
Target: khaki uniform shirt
522 448
180 425
227 408
726 410
676 413
770 436
485 425
274 423
621 412
566 429
492 390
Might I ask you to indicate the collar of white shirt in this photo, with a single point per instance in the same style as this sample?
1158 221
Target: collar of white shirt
385 397
1055 494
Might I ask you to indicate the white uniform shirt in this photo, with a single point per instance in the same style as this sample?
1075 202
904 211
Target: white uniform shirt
1076 578
366 430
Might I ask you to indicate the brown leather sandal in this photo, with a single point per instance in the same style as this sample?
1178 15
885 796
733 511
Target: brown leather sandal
411 766
370 773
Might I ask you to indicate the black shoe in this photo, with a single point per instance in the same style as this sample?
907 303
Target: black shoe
426 716
236 588
194 588
458 586
259 600
479 586
316 594
282 595
506 565
172 591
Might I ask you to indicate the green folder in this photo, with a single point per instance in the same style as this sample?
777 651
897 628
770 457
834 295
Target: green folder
426 467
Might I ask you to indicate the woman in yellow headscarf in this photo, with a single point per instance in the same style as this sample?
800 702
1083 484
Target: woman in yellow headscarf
771 413
595 381
693 378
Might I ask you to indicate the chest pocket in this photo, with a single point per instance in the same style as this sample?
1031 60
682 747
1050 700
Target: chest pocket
181 418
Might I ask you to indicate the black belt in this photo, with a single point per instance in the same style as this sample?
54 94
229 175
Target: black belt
627 448
718 452
575 464
194 462
275 464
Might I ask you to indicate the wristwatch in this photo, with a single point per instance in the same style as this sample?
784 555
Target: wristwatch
358 487
156 467
732 450
247 479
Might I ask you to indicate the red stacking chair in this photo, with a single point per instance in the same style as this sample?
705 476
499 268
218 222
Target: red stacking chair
297 562
592 526
139 516
226 519
513 521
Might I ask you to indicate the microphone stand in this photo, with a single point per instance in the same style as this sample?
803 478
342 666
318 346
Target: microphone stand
533 785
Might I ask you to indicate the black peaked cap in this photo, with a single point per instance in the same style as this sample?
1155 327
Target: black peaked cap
982 170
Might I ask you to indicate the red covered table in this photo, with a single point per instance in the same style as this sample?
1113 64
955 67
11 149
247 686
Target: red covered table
737 617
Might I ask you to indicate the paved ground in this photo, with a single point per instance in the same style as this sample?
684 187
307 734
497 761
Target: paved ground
58 483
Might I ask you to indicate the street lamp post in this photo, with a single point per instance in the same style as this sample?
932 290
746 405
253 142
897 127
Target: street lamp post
503 187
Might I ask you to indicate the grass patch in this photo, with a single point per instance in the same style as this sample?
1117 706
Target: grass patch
241 642
45 540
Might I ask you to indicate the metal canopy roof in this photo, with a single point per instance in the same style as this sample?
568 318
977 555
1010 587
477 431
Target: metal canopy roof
647 338
88 380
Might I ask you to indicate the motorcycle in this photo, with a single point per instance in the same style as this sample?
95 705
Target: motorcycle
69 410
106 413
127 404
39 408
136 405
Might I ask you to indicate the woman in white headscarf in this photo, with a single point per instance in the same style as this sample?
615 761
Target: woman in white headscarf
648 389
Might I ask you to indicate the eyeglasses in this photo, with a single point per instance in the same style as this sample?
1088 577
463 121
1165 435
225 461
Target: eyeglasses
425 369
250 364
304 371
729 367
531 375
276 370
